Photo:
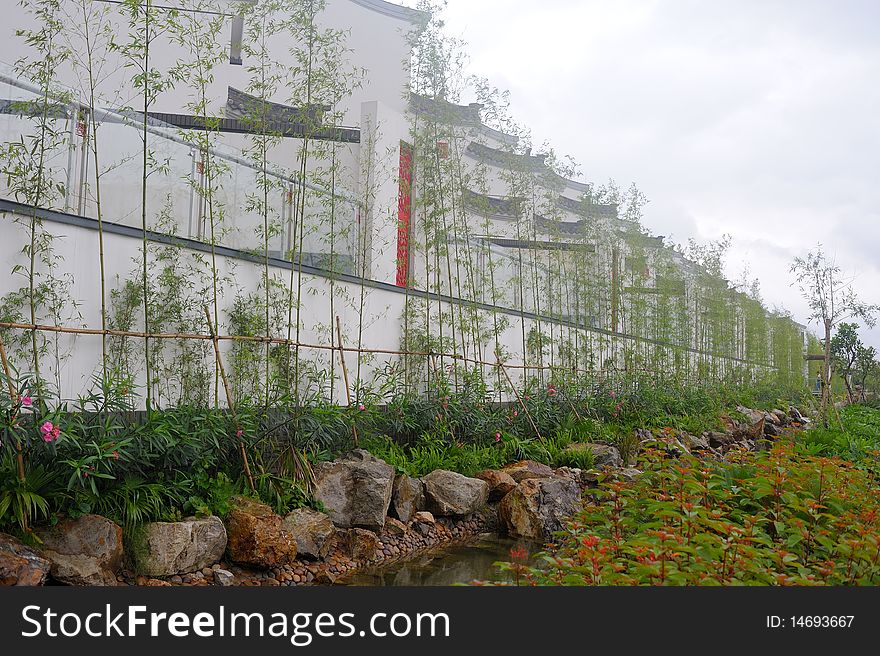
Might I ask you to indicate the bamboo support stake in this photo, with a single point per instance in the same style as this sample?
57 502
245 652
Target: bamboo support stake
518 398
13 395
354 429
229 398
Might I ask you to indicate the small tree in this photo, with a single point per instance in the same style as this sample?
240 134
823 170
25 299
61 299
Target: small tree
831 299
864 366
845 346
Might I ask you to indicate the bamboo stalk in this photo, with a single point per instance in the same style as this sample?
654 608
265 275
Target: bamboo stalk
519 398
230 401
345 373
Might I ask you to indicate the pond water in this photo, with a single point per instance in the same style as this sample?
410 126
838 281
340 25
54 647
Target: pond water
459 563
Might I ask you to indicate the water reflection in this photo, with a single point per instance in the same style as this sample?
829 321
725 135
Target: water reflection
461 563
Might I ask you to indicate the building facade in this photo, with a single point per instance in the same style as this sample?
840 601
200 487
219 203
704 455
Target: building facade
302 176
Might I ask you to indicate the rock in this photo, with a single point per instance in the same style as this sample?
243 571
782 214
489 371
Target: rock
584 478
424 517
780 415
604 455
695 443
359 544
312 530
395 527
325 578
449 493
539 507
256 535
755 420
772 430
169 548
423 523
628 474
499 482
718 440
407 497
356 490
19 564
753 416
224 577
524 469
84 551
770 418
795 415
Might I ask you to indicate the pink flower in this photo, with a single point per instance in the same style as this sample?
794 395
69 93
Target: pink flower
27 401
551 390
497 437
612 394
239 433
116 455
50 432
362 407
516 413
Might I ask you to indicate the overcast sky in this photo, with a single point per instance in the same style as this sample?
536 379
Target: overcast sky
751 117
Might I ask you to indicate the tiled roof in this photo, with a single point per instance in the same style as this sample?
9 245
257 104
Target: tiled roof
395 11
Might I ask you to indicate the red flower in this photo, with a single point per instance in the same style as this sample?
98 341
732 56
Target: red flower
519 554
50 431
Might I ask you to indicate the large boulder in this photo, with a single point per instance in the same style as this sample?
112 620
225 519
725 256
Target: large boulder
452 494
499 482
312 530
256 535
19 564
407 497
169 548
539 506
604 455
84 551
356 490
519 471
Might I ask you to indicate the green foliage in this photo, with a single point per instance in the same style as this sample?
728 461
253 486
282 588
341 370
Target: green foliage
22 503
856 437
778 518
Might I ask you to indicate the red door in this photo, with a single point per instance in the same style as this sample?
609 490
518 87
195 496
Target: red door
404 212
